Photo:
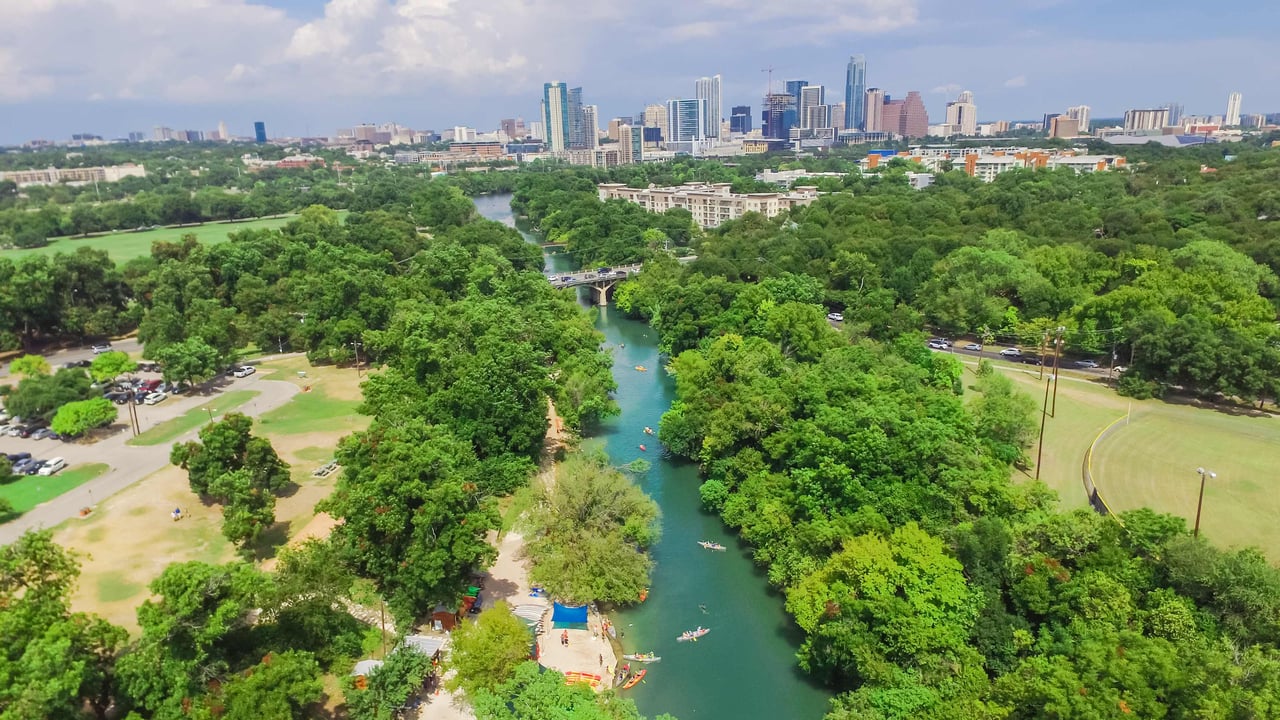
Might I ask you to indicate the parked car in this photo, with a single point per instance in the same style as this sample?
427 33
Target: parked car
244 371
149 386
101 348
119 397
43 433
20 467
1090 364
32 467
179 388
155 398
1011 352
837 317
973 346
52 466
15 457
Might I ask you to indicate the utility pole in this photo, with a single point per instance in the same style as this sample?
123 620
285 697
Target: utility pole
1057 355
1044 345
1044 414
357 345
1200 503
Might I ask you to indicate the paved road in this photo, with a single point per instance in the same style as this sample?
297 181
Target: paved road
129 463
62 357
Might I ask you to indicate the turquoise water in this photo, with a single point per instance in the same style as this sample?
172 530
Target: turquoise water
745 668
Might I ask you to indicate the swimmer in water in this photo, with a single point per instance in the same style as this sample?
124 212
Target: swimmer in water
703 608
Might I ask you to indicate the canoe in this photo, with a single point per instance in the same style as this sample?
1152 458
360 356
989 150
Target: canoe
711 545
635 679
693 634
641 368
642 657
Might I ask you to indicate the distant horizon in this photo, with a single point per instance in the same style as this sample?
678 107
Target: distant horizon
302 65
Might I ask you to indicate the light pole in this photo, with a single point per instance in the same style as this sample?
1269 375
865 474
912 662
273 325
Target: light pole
357 345
210 411
1204 474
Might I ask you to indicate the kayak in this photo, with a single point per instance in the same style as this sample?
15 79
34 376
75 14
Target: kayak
641 368
693 634
635 679
643 447
642 657
711 545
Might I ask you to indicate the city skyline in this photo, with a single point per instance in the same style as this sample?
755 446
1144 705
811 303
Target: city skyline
305 66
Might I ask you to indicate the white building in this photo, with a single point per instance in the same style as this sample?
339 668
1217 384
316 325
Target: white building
812 102
963 114
1149 119
710 203
707 89
1081 115
74 176
1233 110
591 125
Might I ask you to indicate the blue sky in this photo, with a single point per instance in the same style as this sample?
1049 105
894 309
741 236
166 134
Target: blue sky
312 66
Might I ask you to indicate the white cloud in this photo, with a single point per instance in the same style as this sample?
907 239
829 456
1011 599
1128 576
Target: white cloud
948 89
1016 82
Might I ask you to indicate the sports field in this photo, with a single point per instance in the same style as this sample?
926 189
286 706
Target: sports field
124 246
1152 461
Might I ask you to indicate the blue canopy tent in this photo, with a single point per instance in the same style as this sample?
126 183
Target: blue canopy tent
566 616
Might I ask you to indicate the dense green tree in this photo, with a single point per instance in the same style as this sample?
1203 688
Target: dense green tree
486 653
534 694
76 418
589 532
387 688
192 360
29 365
111 365
1004 416
40 396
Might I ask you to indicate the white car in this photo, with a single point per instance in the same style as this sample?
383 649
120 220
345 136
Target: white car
974 347
101 348
155 398
838 317
51 467
1011 352
244 371
936 345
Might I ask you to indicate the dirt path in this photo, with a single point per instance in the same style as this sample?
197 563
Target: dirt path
131 463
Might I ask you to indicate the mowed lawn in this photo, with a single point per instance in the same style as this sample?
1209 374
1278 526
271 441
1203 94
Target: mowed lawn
327 403
1152 460
172 429
31 490
125 246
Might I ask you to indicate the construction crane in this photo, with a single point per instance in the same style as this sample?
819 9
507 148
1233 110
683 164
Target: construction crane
770 71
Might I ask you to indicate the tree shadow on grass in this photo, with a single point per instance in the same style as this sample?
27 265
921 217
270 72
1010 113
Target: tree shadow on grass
289 490
269 542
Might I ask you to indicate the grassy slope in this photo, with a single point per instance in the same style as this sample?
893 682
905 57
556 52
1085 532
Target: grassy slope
125 246
30 491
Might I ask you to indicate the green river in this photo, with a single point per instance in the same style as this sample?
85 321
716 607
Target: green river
745 669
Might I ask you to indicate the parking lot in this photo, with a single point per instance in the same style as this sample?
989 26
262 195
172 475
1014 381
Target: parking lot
130 463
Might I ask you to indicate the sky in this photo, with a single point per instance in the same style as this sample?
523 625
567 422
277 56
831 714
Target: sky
309 67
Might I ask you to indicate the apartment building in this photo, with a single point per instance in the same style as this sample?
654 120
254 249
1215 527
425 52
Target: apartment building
711 204
74 176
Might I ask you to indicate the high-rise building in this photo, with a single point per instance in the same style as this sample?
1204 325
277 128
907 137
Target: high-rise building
577 129
855 88
222 131
1080 113
555 116
707 89
591 126
1233 109
1063 126
1175 112
1149 119
365 131
260 132
915 117
811 97
685 119
630 144
537 130
837 116
776 116
740 119
873 111
963 114
137 136
612 131
1048 118
655 116
513 128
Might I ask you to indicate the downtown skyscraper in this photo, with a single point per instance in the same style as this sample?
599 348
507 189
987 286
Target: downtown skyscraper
855 88
707 89
555 115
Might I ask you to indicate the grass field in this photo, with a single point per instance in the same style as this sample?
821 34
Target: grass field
125 246
171 430
32 490
327 403
1151 461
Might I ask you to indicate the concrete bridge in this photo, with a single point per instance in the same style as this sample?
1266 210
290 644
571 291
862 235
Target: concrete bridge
601 280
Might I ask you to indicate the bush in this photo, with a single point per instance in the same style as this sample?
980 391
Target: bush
1138 388
714 493
76 418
